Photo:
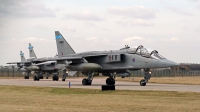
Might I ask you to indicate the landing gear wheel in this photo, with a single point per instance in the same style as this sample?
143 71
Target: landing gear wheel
63 79
35 78
89 82
110 82
25 77
55 78
41 77
142 82
47 77
84 81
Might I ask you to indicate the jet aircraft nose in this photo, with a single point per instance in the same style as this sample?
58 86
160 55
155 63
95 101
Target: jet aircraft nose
168 63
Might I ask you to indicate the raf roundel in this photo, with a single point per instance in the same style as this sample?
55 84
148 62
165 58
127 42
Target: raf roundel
133 59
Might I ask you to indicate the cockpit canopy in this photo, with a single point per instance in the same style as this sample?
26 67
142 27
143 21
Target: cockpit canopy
145 52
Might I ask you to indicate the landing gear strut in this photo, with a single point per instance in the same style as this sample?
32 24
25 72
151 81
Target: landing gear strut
88 81
110 80
27 76
47 75
65 74
147 76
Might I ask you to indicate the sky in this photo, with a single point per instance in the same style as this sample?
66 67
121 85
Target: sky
172 27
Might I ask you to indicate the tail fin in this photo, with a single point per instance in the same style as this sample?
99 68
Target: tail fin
31 52
22 56
62 45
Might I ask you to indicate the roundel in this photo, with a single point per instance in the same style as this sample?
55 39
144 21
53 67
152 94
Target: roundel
133 59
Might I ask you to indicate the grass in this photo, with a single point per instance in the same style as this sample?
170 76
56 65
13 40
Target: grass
166 80
35 99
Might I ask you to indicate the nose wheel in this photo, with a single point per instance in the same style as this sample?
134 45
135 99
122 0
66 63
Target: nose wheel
110 81
143 82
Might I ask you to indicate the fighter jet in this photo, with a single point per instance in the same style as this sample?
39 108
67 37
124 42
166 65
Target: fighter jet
110 63
21 66
39 66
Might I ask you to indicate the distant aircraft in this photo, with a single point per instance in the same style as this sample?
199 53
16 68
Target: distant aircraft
111 62
40 66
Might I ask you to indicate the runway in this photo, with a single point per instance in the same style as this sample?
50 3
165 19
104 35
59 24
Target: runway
97 82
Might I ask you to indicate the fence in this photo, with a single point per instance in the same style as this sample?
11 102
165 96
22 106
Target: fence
12 72
167 73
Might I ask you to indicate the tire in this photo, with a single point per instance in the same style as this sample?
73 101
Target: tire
84 82
27 77
56 78
47 77
113 82
38 79
142 82
41 77
89 83
35 78
24 77
110 82
53 78
63 79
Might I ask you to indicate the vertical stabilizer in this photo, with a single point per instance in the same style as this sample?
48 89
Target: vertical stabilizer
22 56
62 45
31 52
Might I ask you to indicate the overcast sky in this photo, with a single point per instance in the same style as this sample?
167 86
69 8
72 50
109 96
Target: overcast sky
172 27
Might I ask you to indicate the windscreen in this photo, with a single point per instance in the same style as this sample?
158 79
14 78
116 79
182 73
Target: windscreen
144 52
156 55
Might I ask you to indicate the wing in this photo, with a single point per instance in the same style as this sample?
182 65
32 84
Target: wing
24 62
62 60
46 63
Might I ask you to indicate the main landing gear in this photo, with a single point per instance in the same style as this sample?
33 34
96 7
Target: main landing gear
47 75
55 76
110 80
147 76
27 76
88 80
65 74
37 76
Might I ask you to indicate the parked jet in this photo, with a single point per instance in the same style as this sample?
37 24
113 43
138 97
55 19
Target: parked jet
61 67
110 63
39 66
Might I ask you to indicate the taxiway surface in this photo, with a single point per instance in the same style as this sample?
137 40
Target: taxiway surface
97 82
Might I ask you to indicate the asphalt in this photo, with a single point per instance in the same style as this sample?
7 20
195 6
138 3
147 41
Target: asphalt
96 84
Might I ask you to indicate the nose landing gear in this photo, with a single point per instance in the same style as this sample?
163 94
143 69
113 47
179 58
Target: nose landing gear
147 76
